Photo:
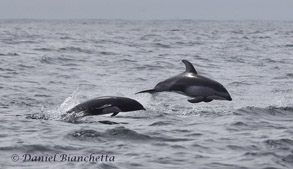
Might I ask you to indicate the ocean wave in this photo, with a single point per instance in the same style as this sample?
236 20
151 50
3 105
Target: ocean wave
222 165
75 49
240 123
41 148
271 111
25 101
261 154
161 123
64 60
161 45
276 159
282 144
290 75
107 53
9 54
289 45
29 148
44 49
119 133
288 159
23 66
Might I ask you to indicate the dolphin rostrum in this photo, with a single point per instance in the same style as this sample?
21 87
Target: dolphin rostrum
189 83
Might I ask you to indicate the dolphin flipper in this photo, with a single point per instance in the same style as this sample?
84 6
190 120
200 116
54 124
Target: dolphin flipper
199 99
208 100
114 114
196 100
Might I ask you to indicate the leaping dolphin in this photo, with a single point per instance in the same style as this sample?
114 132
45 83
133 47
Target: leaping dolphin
106 105
189 83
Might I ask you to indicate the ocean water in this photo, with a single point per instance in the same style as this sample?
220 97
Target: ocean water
47 67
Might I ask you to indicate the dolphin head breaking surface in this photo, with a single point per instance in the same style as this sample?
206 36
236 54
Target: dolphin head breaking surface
189 83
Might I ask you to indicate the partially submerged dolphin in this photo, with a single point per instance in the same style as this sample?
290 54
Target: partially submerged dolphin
189 83
106 105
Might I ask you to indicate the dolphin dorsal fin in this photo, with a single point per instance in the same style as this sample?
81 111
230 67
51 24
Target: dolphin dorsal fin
189 67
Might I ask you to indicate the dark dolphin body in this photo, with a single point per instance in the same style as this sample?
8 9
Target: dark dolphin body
106 105
189 83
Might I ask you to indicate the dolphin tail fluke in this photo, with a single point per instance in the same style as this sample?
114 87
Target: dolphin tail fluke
147 91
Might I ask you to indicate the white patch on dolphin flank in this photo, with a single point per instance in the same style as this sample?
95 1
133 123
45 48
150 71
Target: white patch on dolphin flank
104 106
206 92
216 98
112 109
203 91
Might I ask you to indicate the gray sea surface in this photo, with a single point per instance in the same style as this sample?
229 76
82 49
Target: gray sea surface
49 66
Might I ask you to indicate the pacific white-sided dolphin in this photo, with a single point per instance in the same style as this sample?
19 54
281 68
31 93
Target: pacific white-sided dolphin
189 83
106 105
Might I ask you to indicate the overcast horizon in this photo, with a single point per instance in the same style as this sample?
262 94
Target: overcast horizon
148 9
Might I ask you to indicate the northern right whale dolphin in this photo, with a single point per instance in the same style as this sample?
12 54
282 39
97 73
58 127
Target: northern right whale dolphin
189 83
